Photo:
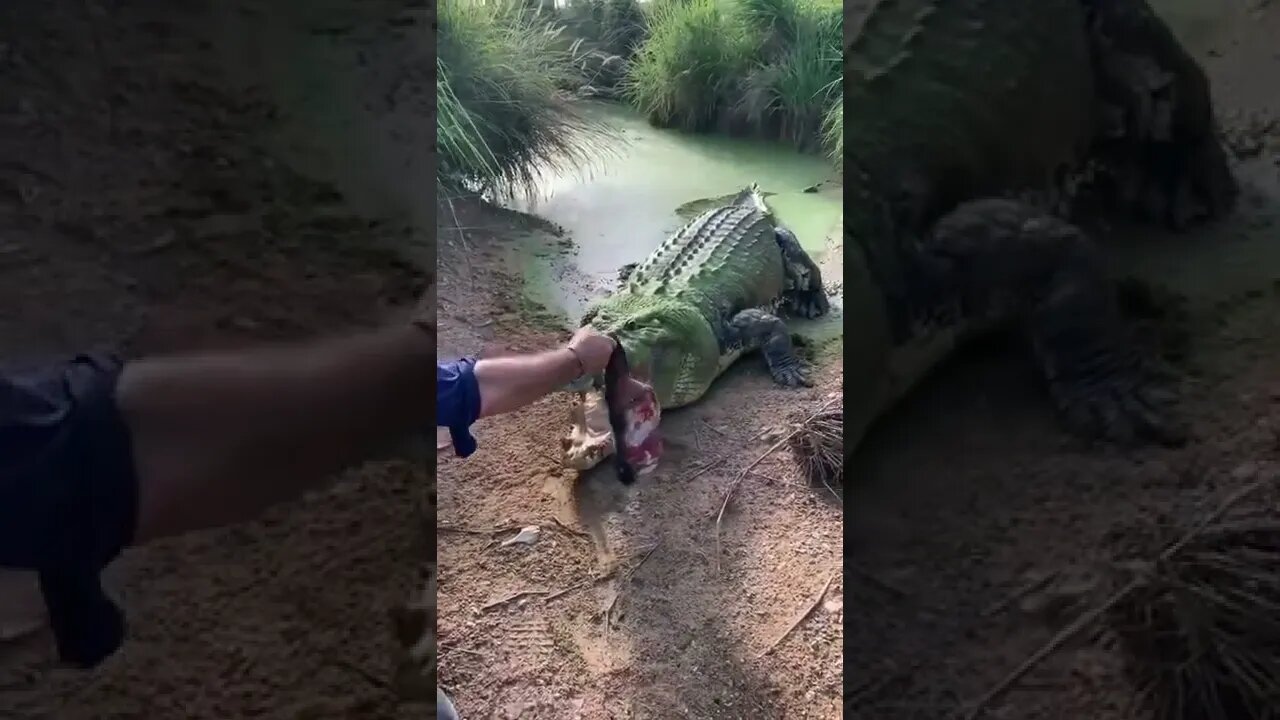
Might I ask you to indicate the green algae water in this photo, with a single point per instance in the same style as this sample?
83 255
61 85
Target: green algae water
648 184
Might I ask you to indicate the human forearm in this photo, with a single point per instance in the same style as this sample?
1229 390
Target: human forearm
217 438
510 383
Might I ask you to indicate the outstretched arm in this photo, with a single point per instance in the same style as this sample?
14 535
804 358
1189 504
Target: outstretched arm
468 390
510 383
219 437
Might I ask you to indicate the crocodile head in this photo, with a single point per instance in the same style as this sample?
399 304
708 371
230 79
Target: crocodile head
591 433
1159 139
655 334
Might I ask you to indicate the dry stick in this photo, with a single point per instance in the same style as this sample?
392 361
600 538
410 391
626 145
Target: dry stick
626 578
743 473
510 598
799 618
466 249
584 584
476 531
1090 617
571 530
1023 591
719 460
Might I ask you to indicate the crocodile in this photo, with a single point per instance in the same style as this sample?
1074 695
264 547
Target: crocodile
981 133
989 130
711 293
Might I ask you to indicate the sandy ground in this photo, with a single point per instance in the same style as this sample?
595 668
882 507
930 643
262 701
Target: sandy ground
686 626
143 203
164 214
965 495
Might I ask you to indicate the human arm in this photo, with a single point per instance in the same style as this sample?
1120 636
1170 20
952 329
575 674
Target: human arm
510 383
467 389
219 437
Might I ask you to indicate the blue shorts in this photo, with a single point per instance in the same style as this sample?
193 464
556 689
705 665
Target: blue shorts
68 494
458 402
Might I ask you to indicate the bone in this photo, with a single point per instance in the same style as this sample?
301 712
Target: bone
590 439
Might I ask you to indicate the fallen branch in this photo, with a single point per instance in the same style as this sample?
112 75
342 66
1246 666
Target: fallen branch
800 618
1090 617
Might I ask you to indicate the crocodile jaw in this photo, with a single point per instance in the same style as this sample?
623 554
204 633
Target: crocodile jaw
590 439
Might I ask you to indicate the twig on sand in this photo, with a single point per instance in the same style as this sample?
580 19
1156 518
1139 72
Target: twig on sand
466 249
799 618
626 578
707 467
1087 619
1024 590
457 529
737 480
510 598
579 586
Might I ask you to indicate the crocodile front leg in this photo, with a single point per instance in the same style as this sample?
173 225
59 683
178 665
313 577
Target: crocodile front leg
805 296
754 329
1006 260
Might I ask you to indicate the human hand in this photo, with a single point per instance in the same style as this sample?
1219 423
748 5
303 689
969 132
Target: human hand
593 349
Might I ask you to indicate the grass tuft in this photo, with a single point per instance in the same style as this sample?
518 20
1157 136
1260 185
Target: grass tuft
817 447
1202 636
771 68
503 114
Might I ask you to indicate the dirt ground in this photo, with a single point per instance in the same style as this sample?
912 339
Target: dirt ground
686 625
163 214
964 496
145 201
970 494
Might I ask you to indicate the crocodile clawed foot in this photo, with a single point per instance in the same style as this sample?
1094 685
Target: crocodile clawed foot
1126 408
791 374
811 304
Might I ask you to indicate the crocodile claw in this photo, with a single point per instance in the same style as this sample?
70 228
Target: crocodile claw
1125 408
791 374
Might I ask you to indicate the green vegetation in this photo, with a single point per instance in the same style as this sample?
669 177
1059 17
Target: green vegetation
507 70
502 71
771 68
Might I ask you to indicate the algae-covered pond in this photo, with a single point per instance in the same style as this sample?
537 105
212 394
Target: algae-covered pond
648 183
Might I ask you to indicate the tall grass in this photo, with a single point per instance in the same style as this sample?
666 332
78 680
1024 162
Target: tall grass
768 67
833 130
502 113
685 69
